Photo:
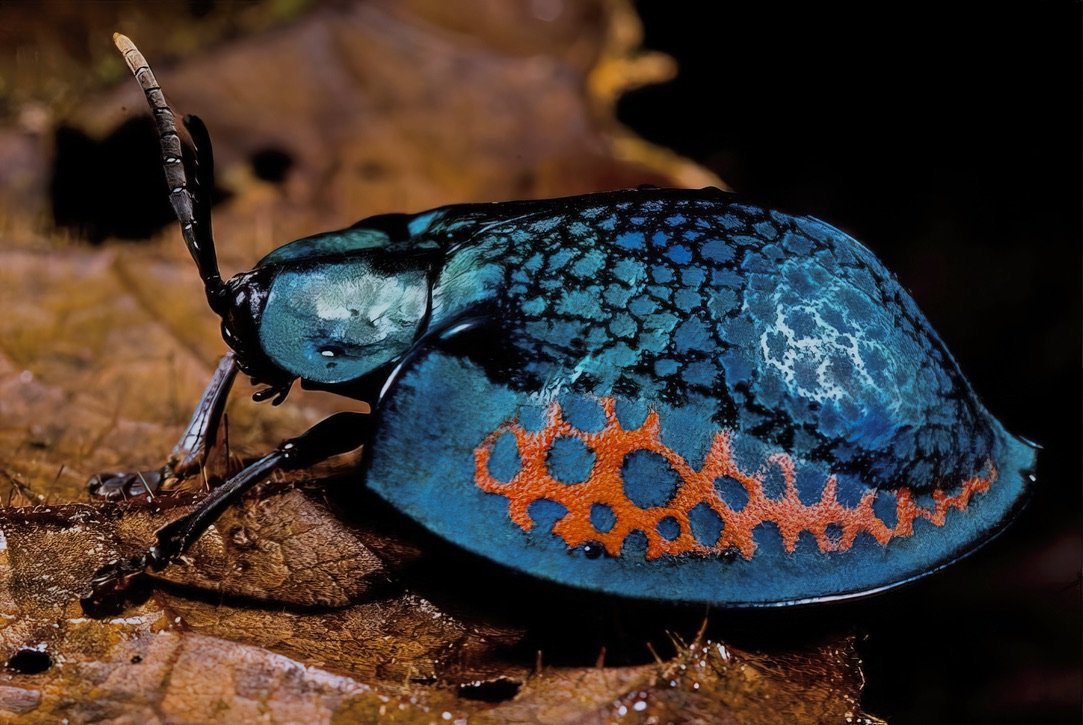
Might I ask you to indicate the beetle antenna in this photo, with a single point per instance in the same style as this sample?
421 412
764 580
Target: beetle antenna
192 210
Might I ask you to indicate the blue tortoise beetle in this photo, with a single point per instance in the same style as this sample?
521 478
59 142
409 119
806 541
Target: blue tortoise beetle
655 393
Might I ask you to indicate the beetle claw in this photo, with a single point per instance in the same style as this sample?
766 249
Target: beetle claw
125 485
122 581
114 585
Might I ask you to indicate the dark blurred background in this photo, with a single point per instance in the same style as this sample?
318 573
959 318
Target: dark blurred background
946 137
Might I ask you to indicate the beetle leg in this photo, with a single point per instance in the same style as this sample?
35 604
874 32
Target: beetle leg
340 433
191 451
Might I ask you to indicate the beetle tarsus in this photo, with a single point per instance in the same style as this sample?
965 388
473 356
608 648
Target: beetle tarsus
340 433
190 453
114 586
126 485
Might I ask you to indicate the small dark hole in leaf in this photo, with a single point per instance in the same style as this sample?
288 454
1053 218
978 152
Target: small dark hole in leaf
498 690
271 164
29 661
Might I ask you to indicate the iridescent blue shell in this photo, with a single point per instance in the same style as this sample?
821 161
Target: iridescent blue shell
676 395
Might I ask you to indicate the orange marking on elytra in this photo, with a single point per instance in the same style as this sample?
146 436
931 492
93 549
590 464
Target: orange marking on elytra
605 486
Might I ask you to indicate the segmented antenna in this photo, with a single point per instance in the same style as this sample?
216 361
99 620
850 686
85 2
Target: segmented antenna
193 212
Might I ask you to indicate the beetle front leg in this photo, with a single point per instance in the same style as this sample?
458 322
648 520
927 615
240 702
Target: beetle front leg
189 454
340 433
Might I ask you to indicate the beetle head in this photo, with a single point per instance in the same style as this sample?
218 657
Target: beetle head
331 319
335 320
328 321
241 304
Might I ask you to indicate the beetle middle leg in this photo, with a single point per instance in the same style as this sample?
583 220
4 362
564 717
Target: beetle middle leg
189 454
340 433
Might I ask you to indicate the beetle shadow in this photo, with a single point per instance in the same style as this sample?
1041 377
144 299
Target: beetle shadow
574 627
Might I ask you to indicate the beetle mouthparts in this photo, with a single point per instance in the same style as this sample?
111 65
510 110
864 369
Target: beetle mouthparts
278 392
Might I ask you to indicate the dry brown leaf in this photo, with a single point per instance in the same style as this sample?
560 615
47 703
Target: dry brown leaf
180 658
706 682
287 609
